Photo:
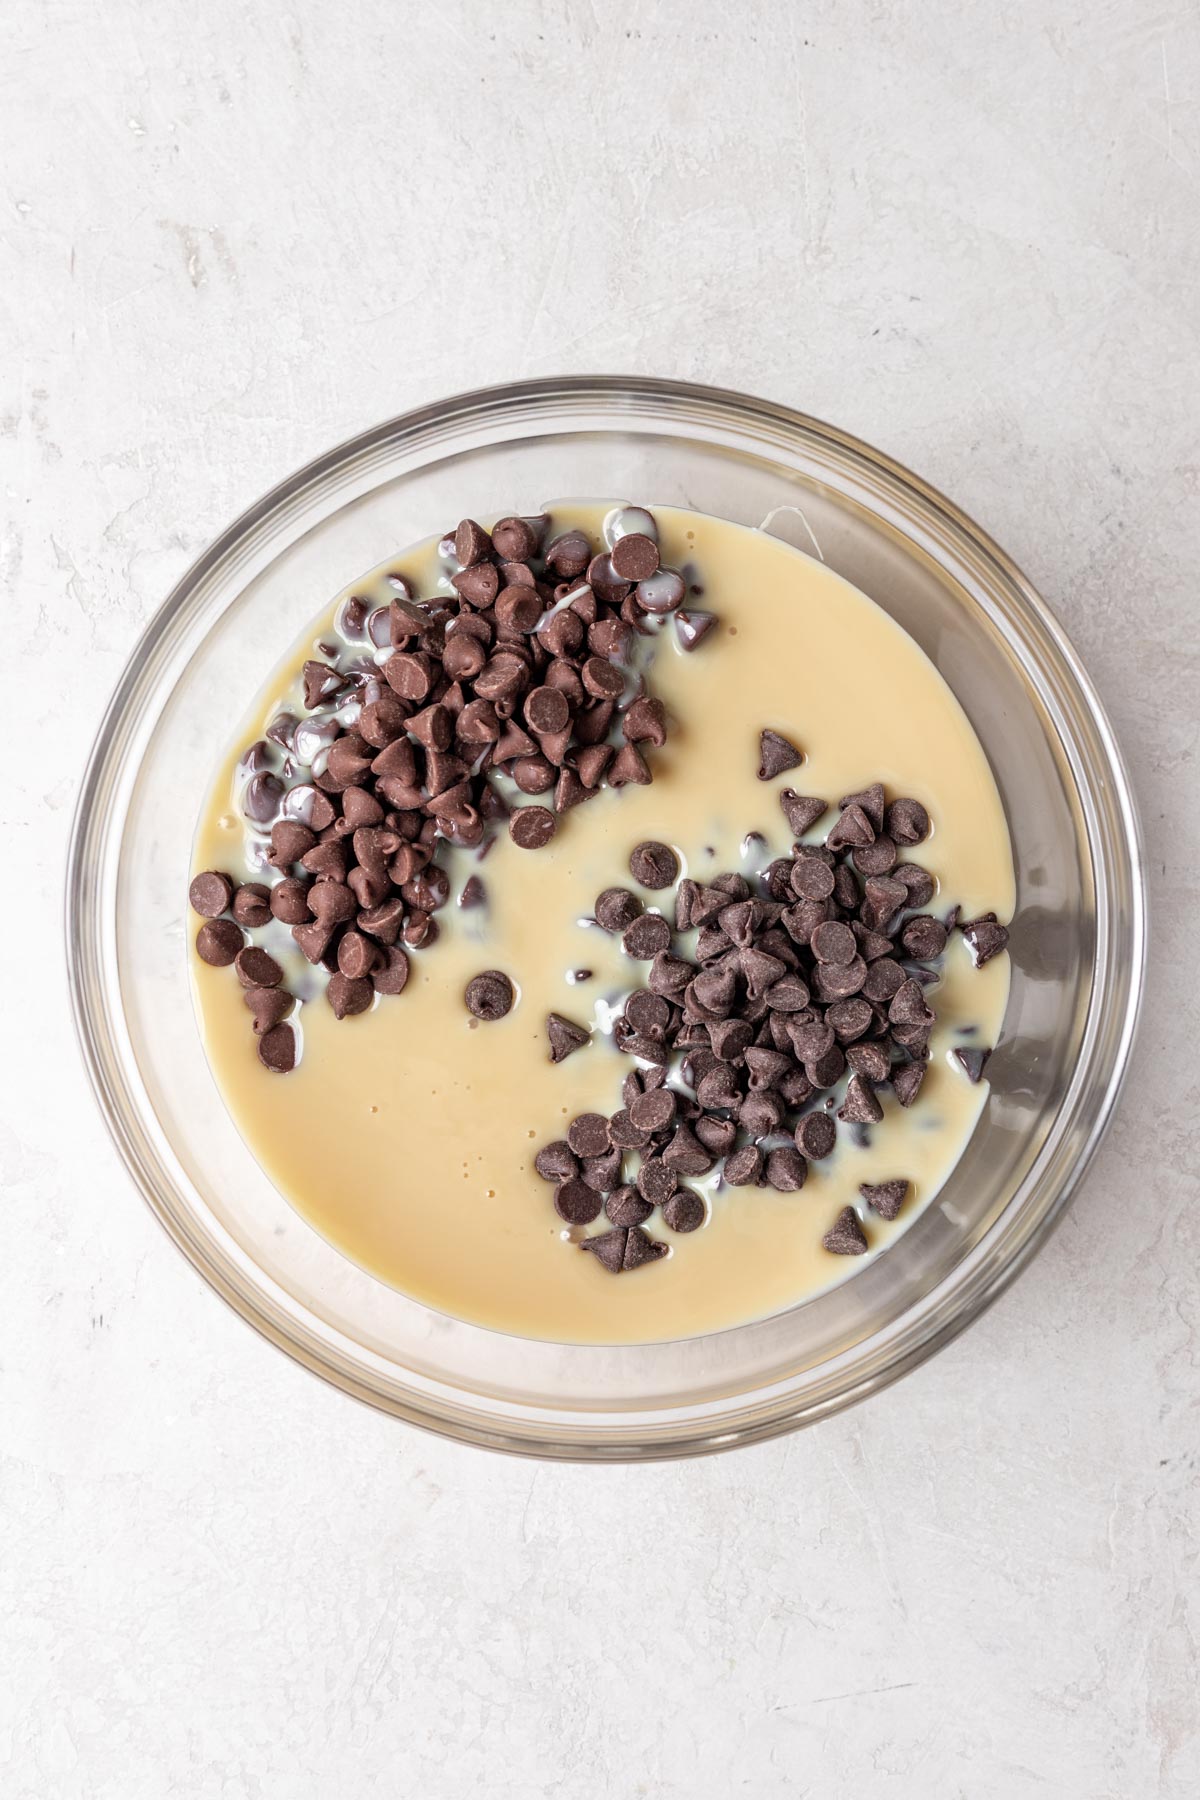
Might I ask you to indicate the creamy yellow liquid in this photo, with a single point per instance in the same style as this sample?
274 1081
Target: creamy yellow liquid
406 1135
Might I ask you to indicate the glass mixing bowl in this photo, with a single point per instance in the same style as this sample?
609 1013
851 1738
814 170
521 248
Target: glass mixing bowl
1077 951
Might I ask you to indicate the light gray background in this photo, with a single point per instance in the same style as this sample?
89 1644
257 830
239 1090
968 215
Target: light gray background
229 237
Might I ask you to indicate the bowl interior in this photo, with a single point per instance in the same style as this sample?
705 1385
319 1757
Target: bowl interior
1078 908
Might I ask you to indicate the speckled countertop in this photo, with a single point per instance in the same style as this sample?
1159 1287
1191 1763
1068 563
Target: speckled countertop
231 236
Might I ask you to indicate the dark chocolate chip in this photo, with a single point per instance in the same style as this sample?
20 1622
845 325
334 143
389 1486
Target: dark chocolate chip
218 942
907 821
684 1211
556 1161
547 709
972 1060
834 942
717 1135
565 1036
744 1167
576 1202
647 937
357 956
917 882
786 1170
210 894
661 592
532 827
569 554
860 1106
870 800
628 768
877 858
641 1248
801 810
906 1082
616 909
277 1049
849 1018
816 1135
653 1111
852 830
588 1135
884 1197
775 755
871 1060
625 1207
608 1247
923 937
489 995
644 721
624 1133
811 879
845 1236
656 1180
653 865
984 938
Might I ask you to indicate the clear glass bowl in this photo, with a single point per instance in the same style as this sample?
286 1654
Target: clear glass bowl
1077 955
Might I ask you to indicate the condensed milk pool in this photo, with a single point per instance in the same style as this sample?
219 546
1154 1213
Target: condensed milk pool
407 1134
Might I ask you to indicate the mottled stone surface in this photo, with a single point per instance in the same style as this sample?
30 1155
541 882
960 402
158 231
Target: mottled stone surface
229 237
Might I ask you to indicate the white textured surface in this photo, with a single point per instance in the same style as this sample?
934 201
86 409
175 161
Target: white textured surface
230 237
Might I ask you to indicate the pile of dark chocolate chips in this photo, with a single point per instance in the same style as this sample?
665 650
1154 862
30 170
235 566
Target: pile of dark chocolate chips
519 672
816 970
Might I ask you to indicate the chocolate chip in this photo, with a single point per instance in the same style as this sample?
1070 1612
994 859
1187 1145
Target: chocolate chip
624 1133
647 1013
837 981
625 1207
849 1018
532 827
218 942
556 1161
816 1135
513 539
616 909
743 1167
471 543
210 894
834 942
870 800
641 1248
826 1070
870 1060
656 1180
801 810
907 821
884 1197
873 859
320 681
972 1060
653 865
289 901
647 937
775 755
473 893
906 1082
845 1236
917 882
267 1006
853 829
786 1170
252 905
608 1247
348 996
984 938
811 879
629 768
860 1106
256 968
565 1036
717 1135
635 557
884 979
489 995
357 956
588 1135
576 1202
653 1111
314 939
277 1049
644 721
907 1005
546 709
569 554
661 592
923 937
691 627
390 976
684 1210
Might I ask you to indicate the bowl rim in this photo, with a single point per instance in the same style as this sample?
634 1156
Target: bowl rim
897 1349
